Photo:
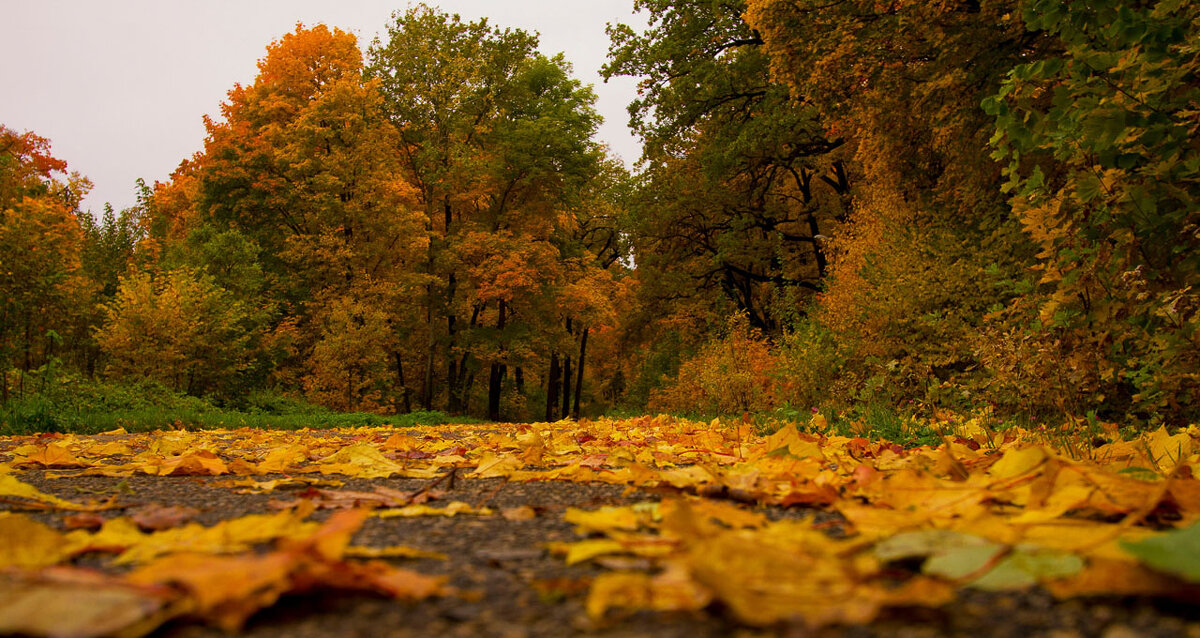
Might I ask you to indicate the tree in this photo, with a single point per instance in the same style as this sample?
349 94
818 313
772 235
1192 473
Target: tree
497 139
178 328
740 184
348 370
901 83
304 173
1104 174
41 284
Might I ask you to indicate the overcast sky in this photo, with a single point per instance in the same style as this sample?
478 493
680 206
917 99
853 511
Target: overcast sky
120 86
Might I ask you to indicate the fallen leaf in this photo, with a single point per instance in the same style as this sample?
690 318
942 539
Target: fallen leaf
394 551
519 513
25 542
1176 552
83 520
75 603
15 492
453 508
157 517
496 465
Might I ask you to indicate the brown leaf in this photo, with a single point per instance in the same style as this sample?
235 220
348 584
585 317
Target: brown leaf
155 517
519 513
83 520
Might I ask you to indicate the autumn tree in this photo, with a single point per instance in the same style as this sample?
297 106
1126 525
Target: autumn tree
178 328
1104 173
740 184
304 171
497 140
930 245
40 279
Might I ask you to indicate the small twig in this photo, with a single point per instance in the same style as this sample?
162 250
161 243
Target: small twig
434 483
491 495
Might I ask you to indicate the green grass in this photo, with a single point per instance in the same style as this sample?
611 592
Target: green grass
877 421
20 418
86 407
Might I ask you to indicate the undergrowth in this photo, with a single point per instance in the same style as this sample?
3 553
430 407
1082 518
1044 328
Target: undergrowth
82 406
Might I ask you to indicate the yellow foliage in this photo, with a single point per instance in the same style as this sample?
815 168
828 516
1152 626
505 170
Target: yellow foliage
177 328
731 375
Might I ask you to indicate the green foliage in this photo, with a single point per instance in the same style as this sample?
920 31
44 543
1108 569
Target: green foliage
738 182
71 403
1105 176
108 246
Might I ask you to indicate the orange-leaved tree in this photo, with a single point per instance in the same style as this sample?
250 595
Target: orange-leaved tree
41 285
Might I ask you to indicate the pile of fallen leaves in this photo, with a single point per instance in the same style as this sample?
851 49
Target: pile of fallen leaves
987 510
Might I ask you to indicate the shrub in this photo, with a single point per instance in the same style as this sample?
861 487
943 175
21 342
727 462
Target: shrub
732 374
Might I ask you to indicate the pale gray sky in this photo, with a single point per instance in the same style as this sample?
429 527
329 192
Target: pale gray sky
120 86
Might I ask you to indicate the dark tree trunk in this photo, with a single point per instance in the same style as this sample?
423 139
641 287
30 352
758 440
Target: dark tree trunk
430 355
496 377
552 381
566 388
519 378
465 389
566 380
27 359
495 382
453 374
579 373
452 390
404 391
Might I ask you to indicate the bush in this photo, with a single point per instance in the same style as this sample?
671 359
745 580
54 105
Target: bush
810 366
733 374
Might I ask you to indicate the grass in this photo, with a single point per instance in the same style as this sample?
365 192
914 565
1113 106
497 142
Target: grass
86 407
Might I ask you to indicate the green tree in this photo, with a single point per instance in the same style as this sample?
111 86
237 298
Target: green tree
740 183
1104 172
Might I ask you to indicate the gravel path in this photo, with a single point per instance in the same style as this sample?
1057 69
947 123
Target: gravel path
514 587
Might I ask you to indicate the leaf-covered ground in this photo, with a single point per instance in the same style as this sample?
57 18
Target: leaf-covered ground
635 527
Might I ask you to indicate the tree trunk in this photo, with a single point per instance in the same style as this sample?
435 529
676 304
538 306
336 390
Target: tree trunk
27 359
552 390
519 379
579 372
453 405
566 380
466 389
430 355
404 391
453 381
566 388
495 381
496 378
